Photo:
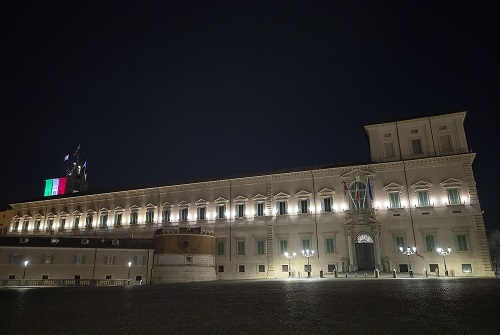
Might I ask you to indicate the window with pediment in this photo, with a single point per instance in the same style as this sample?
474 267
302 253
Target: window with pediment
422 191
166 212
281 203
259 205
394 195
150 213
326 196
134 214
452 191
201 209
240 204
118 216
220 208
89 219
303 202
183 210
103 219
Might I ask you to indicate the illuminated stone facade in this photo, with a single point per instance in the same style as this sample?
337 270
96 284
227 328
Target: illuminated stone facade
419 190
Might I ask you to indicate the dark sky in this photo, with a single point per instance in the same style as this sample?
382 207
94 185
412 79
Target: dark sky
158 93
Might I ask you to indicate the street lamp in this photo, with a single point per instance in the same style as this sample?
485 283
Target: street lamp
128 277
308 253
25 265
409 252
444 253
289 256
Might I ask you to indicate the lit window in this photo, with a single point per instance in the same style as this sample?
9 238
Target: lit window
259 209
183 214
220 248
284 268
79 259
239 210
88 221
62 223
240 247
453 195
423 198
16 258
37 225
165 215
76 222
262 268
283 246
25 225
150 216
134 218
303 206
282 207
466 268
430 243
306 244
202 213
118 219
399 242
327 205
220 211
462 243
261 247
329 245
394 200
104 220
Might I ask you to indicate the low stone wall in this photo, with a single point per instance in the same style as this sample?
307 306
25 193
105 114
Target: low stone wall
178 268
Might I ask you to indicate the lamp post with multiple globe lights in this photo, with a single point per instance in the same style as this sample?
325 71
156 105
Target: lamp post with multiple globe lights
289 256
444 253
409 251
308 253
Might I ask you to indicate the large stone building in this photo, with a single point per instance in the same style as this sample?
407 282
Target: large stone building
417 191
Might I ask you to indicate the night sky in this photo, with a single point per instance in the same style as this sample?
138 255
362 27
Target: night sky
175 91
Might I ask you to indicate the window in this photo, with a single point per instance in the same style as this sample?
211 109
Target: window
430 243
25 225
399 242
327 205
388 150
240 247
445 142
453 196
139 260
12 276
62 223
183 214
104 220
466 268
15 226
306 244
329 245
220 211
134 217
423 198
220 268
16 258
150 216
49 259
76 222
403 267
220 248
303 206
239 210
282 207
283 246
88 221
79 259
259 209
45 277
50 224
165 215
202 213
108 277
433 267
37 225
284 268
307 268
261 247
462 243
394 200
358 195
110 260
118 219
331 267
416 146
262 268
241 268
138 278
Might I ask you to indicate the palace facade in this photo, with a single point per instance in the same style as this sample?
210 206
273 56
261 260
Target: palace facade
417 191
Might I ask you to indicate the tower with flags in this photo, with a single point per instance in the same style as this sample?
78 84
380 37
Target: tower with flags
75 179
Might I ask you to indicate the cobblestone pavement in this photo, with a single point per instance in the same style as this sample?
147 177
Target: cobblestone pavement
353 305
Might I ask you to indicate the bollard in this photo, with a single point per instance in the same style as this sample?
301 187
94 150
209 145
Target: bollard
321 273
335 273
299 274
356 274
376 273
365 274
346 274
452 273
437 272
425 273
394 275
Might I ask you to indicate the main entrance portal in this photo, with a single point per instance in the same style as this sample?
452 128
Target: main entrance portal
365 253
